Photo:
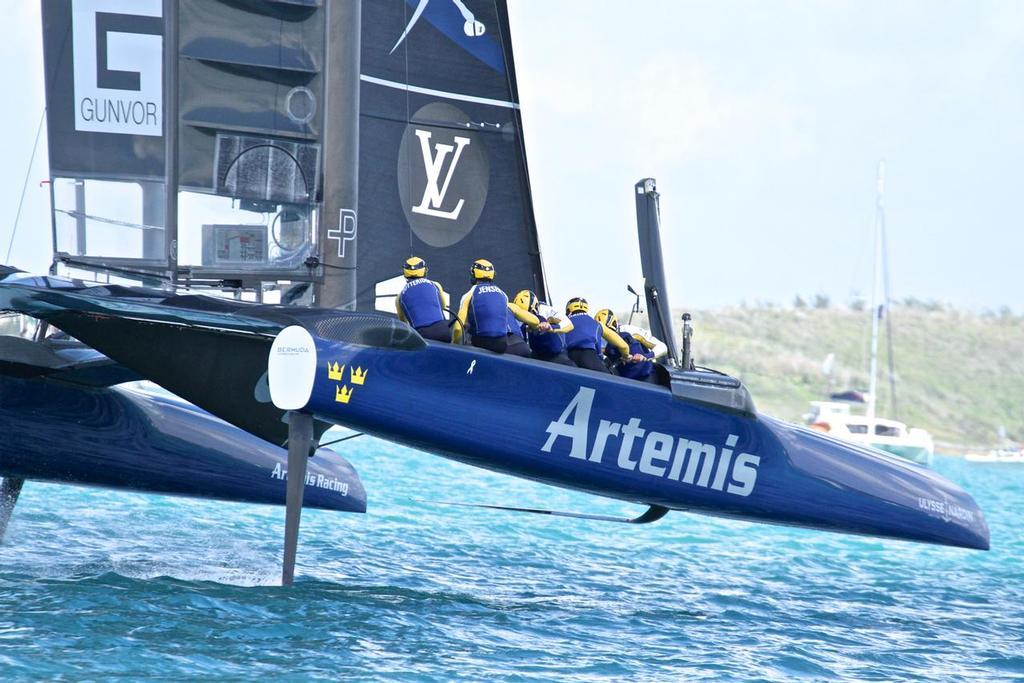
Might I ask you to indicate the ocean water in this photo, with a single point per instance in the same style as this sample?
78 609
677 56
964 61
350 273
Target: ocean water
102 585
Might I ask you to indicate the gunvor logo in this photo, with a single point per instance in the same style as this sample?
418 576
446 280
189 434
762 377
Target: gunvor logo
118 66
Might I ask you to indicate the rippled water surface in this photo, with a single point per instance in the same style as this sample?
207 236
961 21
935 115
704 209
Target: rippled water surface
95 584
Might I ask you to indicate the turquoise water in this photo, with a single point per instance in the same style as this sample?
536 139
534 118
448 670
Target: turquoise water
95 584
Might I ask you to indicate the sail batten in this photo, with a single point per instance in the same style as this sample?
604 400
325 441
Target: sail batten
439 93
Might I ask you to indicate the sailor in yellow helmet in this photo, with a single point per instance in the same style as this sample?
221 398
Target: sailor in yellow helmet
643 348
584 341
422 302
484 312
547 345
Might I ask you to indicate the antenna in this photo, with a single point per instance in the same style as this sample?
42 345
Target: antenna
636 304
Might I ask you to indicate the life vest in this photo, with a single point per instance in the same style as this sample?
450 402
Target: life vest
585 332
632 370
546 343
421 302
488 311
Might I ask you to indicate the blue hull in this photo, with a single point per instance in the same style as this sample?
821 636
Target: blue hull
633 441
701 446
127 438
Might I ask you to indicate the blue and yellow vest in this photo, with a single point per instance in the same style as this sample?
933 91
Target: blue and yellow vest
421 302
547 343
585 333
488 312
631 370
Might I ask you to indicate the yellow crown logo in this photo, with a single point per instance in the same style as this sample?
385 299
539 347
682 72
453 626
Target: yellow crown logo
335 371
358 375
342 394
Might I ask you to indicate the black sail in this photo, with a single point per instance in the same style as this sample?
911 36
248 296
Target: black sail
443 171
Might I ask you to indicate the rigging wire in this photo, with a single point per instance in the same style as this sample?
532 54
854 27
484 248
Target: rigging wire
24 187
408 122
108 221
344 438
529 217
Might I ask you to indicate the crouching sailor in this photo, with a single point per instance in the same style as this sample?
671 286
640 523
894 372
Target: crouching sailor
584 340
484 312
422 302
545 344
642 349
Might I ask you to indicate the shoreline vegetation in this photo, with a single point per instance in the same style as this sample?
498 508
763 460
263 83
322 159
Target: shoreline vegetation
959 374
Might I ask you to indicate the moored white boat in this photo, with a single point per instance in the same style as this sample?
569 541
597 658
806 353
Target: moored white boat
1002 455
836 419
892 436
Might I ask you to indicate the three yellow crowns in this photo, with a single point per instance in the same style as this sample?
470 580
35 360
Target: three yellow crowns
336 373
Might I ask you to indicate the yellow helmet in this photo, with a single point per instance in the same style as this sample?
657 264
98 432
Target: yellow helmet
414 267
577 305
526 300
607 318
482 269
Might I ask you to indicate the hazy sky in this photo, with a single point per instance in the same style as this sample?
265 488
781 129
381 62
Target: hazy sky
763 123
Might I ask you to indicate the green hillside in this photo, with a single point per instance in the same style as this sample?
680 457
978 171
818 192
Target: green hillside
959 375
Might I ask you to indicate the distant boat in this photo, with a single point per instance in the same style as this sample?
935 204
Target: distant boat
834 417
892 436
1002 455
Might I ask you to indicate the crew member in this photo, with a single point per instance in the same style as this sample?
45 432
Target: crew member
584 339
547 345
484 311
642 349
422 302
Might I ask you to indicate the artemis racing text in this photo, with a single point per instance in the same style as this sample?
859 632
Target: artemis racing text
317 480
661 455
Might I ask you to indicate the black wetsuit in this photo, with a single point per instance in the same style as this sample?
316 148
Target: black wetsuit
561 358
588 358
439 331
496 344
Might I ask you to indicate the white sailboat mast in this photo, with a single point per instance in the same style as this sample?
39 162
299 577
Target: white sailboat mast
876 275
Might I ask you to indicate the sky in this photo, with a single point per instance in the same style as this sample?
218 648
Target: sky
763 123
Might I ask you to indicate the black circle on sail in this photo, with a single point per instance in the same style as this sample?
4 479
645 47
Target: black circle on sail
443 174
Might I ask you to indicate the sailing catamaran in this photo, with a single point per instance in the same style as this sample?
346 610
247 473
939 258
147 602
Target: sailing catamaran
404 135
835 418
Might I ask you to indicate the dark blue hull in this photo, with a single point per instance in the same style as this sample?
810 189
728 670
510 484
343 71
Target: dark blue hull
131 439
700 446
633 441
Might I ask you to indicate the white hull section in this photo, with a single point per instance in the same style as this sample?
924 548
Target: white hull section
883 434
